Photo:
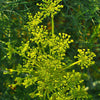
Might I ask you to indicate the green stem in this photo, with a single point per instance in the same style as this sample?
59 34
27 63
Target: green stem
72 65
52 17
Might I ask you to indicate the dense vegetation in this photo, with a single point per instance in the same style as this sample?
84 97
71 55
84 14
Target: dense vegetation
49 49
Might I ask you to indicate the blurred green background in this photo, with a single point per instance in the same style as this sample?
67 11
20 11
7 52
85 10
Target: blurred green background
79 18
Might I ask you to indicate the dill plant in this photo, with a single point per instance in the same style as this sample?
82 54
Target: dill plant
43 60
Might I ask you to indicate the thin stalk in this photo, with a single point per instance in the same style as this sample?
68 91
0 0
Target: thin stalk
45 95
72 65
52 17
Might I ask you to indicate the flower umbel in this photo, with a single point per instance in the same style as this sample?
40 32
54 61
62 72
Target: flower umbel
85 58
50 6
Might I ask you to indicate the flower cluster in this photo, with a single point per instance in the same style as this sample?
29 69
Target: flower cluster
34 21
50 7
85 58
43 60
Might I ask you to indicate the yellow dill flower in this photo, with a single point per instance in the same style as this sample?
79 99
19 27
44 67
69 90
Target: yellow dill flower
50 7
85 58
